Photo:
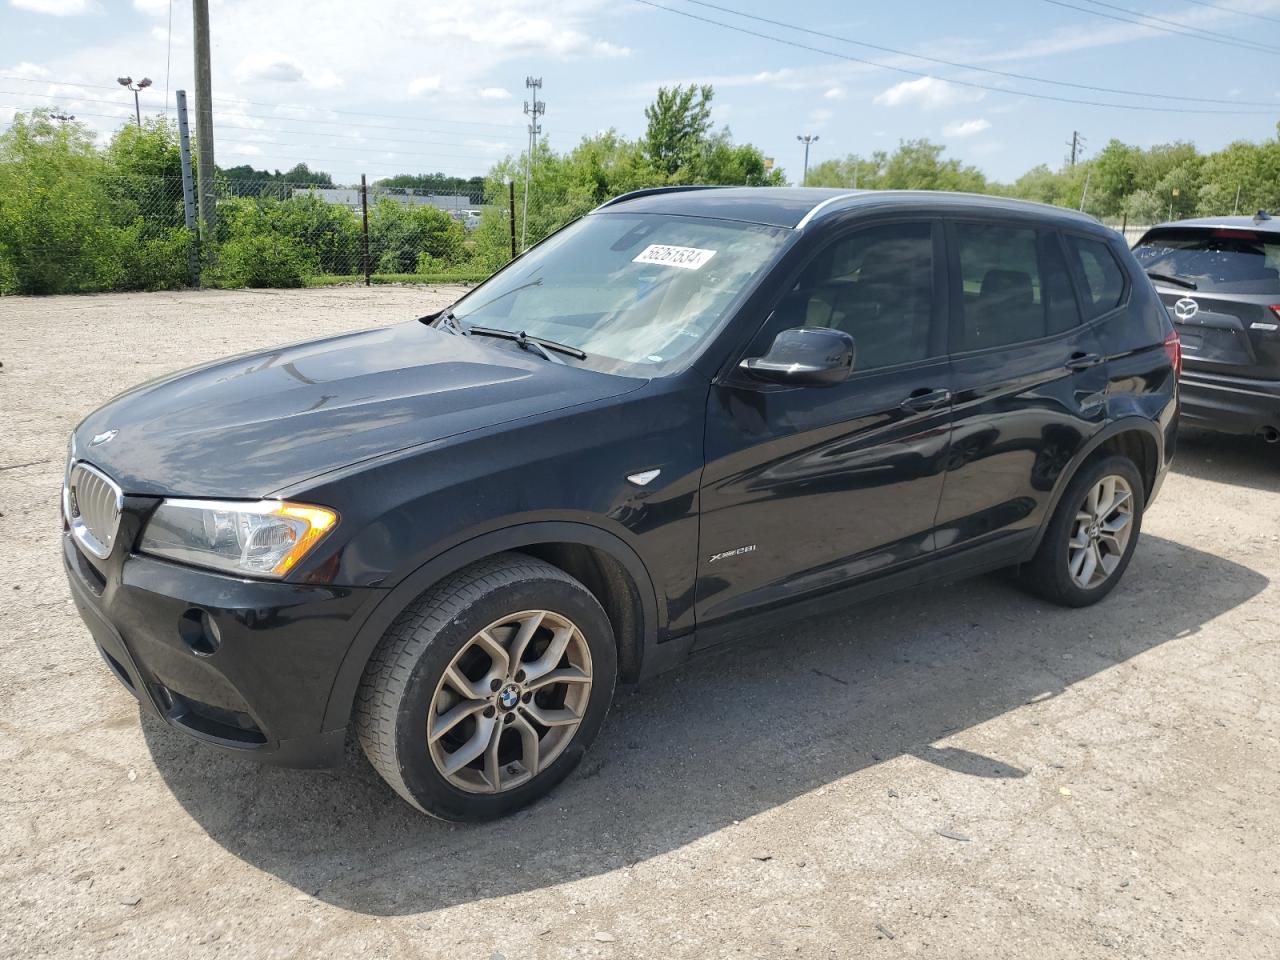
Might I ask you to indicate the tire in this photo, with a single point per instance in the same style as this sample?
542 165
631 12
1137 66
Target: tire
1052 572
469 625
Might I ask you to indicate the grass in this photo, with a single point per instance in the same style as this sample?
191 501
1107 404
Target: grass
443 276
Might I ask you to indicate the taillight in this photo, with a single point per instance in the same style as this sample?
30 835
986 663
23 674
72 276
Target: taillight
1173 350
1275 308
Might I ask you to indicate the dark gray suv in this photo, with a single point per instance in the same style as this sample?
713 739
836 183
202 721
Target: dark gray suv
1220 279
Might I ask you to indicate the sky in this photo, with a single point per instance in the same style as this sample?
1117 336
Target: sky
415 86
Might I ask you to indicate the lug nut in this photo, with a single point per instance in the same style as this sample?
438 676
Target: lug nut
495 685
519 676
489 711
508 718
527 697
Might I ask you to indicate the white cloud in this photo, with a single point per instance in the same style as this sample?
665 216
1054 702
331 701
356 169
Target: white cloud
154 8
420 85
835 93
268 69
928 93
966 128
495 93
272 67
28 71
56 8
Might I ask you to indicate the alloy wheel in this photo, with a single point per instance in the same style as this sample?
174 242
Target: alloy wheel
1100 533
509 702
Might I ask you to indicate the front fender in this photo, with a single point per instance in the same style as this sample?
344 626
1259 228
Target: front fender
347 680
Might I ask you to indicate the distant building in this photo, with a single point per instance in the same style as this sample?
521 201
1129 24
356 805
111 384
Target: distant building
460 206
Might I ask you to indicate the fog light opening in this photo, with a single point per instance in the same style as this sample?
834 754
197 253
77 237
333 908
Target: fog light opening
199 632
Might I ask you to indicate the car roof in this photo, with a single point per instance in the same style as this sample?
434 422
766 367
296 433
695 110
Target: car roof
796 207
1269 225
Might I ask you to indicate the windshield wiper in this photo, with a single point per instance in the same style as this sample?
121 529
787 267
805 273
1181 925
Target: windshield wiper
1173 278
444 320
538 345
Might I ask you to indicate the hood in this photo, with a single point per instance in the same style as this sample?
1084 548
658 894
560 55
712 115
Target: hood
253 424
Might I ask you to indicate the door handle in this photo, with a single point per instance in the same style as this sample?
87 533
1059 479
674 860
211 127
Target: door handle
1083 361
922 400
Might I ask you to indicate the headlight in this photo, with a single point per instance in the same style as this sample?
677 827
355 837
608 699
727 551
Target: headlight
263 539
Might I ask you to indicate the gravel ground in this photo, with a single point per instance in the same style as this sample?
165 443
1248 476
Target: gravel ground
963 772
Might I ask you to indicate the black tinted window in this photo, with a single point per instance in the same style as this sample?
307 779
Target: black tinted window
1224 259
1014 285
877 286
1103 276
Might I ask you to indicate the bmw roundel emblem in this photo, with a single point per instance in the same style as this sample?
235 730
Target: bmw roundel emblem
509 696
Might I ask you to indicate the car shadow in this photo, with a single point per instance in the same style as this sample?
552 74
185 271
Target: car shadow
739 731
1226 458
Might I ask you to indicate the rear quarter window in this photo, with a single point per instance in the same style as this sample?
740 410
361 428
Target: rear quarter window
1102 275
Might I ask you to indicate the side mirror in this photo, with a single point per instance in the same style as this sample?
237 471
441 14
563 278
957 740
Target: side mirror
805 357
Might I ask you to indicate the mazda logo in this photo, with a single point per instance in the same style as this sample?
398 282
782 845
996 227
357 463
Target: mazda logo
1186 308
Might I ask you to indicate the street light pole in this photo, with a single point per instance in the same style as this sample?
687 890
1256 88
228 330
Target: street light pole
806 139
140 85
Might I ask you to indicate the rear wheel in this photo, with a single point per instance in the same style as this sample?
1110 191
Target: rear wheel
485 693
1091 536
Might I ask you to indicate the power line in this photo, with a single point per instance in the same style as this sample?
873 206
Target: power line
1142 108
968 66
1184 31
1180 24
1238 12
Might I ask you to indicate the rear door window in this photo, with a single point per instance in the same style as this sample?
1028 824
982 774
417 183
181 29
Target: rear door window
1102 274
1014 285
1221 260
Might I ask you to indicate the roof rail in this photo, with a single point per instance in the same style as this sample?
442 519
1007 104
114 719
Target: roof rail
653 192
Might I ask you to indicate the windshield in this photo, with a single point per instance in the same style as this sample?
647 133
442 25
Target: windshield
637 293
1218 259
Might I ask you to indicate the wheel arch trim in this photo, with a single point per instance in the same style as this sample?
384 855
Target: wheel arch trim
1132 424
346 682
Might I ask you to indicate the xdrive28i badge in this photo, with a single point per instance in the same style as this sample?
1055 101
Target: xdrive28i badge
735 552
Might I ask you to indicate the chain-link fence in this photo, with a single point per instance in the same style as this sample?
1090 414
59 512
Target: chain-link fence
130 233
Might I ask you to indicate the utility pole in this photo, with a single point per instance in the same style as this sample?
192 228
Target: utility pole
1234 210
533 110
204 120
1076 145
806 139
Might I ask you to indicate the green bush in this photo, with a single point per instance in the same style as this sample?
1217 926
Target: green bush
261 260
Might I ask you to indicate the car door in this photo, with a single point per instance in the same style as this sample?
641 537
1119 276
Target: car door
808 488
1030 382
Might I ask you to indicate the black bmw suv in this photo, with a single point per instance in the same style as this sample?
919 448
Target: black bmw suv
682 415
1220 279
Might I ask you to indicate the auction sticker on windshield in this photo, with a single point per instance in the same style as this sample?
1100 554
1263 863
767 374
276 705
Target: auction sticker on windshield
686 258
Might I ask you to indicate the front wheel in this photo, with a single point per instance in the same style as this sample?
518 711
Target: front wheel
486 692
1091 536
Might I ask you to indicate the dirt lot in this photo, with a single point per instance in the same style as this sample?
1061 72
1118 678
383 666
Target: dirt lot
965 772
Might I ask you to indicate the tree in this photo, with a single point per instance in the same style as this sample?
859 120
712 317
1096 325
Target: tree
55 232
679 120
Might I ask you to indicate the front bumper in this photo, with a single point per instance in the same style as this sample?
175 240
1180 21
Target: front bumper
246 666
1229 404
